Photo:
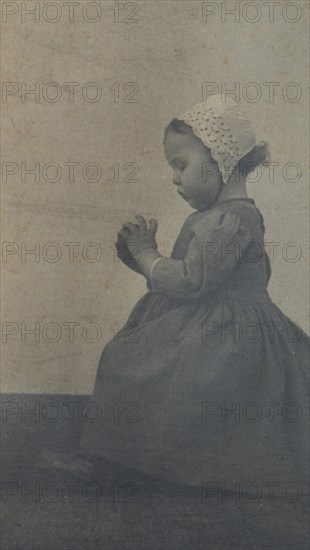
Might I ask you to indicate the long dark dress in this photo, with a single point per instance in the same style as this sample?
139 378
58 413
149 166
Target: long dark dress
207 387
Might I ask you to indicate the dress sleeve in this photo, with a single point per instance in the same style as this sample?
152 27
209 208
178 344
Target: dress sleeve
214 251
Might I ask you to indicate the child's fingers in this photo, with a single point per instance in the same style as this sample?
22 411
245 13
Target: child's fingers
153 225
123 233
131 227
141 221
122 236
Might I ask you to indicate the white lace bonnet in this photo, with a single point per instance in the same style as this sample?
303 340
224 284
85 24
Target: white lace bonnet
223 127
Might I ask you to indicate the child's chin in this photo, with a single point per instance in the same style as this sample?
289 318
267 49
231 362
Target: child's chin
190 202
197 205
194 203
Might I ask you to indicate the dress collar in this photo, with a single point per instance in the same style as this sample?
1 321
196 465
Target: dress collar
245 199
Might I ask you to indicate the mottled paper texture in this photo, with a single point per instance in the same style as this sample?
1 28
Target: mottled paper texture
135 416
88 88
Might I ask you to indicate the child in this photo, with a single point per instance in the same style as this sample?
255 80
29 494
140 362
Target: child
206 381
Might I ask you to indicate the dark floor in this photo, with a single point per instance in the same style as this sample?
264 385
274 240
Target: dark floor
42 510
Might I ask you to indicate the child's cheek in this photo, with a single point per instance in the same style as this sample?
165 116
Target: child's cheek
189 178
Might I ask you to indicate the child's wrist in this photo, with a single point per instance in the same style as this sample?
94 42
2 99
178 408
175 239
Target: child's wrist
145 259
137 253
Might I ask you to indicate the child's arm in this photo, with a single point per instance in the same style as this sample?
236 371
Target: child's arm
146 259
212 254
203 268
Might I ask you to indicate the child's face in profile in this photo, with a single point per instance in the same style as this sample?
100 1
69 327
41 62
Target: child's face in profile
196 174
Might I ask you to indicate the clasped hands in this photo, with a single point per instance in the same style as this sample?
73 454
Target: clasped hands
132 239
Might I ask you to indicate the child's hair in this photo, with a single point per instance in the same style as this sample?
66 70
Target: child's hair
258 156
178 126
